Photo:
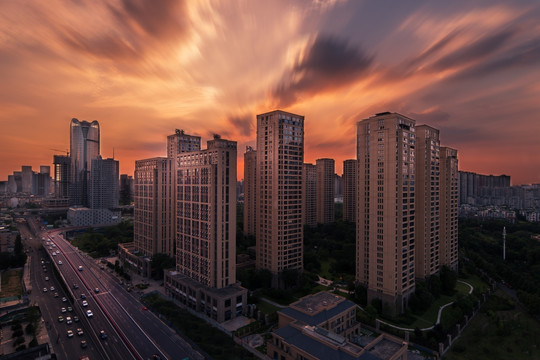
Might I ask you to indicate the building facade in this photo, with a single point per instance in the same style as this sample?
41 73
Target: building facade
309 195
280 155
349 190
153 213
62 175
250 191
325 190
427 200
385 236
449 207
84 146
103 184
180 142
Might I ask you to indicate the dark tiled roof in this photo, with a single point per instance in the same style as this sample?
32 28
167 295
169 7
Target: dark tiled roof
320 317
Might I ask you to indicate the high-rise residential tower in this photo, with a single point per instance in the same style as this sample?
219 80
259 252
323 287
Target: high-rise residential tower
62 166
280 155
180 142
449 206
84 146
309 195
153 215
205 276
427 201
325 190
250 191
385 237
349 190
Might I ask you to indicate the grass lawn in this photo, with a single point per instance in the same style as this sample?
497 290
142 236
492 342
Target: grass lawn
11 283
266 308
478 284
325 270
498 334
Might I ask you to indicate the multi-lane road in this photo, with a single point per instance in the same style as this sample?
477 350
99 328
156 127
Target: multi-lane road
131 331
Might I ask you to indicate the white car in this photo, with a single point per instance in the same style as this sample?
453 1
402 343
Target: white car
85 303
70 333
68 320
80 268
89 313
59 262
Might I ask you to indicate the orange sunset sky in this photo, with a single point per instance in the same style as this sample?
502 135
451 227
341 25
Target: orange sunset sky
145 68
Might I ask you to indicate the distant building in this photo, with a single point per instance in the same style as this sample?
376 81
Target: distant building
280 155
180 142
83 216
324 326
26 178
84 147
250 191
478 189
309 195
103 184
449 205
205 275
325 190
349 190
62 175
126 186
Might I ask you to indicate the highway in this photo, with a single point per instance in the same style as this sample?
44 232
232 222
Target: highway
133 333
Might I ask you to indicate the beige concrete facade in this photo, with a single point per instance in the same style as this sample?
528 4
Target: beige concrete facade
250 191
153 215
349 190
386 209
449 208
280 155
325 190
428 189
180 142
309 195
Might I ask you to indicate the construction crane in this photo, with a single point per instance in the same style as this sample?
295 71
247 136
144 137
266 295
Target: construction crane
67 151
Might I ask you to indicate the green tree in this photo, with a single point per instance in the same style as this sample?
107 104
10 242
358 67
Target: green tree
448 280
159 263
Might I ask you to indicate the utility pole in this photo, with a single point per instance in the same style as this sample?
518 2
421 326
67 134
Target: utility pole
504 243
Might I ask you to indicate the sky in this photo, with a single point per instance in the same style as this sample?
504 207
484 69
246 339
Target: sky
145 68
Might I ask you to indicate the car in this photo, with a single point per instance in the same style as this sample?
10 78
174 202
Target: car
144 308
84 344
75 286
44 270
68 320
59 262
63 310
83 296
70 309
52 288
60 318
89 313
54 253
80 268
85 303
55 294
44 289
96 290
80 332
64 299
103 334
46 278
70 333
75 318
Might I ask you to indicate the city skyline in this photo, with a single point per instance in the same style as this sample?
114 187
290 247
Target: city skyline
143 70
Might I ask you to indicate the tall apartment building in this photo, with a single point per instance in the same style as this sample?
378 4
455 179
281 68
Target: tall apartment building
325 190
180 142
205 276
309 195
62 174
153 215
104 184
478 189
385 236
250 191
449 205
349 190
84 146
280 155
26 177
427 200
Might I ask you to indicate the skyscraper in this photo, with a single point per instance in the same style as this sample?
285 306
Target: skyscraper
325 190
250 191
309 195
103 185
427 201
385 220
349 190
205 276
449 196
84 146
153 215
280 155
62 175
180 142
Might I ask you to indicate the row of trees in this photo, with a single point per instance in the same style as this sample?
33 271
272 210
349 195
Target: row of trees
15 259
98 244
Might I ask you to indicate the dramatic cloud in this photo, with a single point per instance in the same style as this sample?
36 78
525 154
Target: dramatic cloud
328 64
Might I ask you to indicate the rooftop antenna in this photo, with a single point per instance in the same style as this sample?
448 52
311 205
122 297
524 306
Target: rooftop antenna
504 243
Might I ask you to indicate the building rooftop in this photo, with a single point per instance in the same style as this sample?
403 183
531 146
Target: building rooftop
317 308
